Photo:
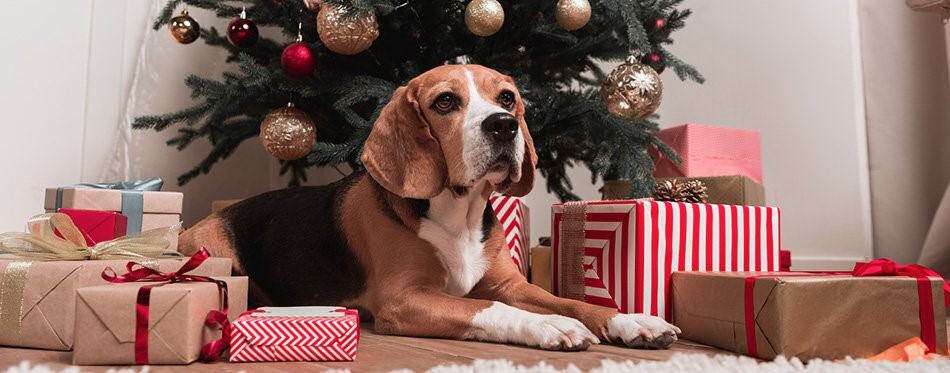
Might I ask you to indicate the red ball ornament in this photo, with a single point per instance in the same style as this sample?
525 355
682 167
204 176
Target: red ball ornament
653 57
659 23
298 60
242 33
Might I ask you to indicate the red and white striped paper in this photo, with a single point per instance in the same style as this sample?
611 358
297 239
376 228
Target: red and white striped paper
513 216
631 247
330 337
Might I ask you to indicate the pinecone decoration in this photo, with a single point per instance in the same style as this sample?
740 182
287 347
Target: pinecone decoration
691 191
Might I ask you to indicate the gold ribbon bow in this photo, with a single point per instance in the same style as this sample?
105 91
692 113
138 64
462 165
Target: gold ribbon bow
42 244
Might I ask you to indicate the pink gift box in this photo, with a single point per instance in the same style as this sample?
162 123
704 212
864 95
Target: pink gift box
620 254
710 151
97 226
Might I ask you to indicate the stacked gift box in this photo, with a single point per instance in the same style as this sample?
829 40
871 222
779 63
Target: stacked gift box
81 276
727 161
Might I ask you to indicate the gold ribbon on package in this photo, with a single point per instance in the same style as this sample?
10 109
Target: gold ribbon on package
571 266
42 244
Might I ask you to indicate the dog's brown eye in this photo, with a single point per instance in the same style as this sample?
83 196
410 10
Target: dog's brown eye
445 103
507 99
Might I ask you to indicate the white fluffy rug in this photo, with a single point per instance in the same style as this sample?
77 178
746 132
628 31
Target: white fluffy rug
696 363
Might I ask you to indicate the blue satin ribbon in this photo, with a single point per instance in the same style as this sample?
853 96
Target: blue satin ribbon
133 198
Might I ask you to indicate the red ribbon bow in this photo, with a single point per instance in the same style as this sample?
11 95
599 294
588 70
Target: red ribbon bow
876 267
139 273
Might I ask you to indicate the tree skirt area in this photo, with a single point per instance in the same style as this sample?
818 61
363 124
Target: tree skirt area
686 363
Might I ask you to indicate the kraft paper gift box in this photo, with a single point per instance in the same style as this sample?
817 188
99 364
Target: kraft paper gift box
141 202
728 190
513 214
273 334
710 151
807 315
44 293
98 226
541 267
106 320
620 254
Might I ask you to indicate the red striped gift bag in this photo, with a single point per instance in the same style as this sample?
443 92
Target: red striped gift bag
513 215
620 254
295 334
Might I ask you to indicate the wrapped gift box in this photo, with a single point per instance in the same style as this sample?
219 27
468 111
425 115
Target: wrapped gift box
513 215
806 315
106 320
98 226
39 309
728 190
710 151
144 209
620 254
296 334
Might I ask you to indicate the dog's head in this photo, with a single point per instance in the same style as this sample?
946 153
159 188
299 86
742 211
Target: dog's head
452 127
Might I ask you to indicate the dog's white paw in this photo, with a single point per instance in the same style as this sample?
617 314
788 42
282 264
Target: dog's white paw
641 331
556 332
503 323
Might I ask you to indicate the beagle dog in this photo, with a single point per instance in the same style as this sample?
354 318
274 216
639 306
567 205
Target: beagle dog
412 241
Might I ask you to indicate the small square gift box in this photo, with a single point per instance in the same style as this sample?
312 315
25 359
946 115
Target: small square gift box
152 317
295 334
141 201
40 272
620 254
813 315
710 151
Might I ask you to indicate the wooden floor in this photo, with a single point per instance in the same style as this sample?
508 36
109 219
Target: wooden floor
379 353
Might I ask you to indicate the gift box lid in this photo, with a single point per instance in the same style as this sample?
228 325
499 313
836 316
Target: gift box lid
711 151
111 200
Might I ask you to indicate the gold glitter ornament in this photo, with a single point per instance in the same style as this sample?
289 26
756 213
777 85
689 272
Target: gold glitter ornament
288 133
484 17
632 90
183 28
346 34
572 14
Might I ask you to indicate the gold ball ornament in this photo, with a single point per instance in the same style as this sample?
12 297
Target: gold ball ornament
572 14
184 28
288 133
346 34
484 17
632 90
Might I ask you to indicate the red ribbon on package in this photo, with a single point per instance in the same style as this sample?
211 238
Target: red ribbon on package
876 267
140 273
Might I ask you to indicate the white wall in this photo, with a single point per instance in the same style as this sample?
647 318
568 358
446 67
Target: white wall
788 69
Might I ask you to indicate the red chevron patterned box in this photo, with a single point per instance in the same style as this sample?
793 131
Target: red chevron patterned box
513 215
620 254
295 334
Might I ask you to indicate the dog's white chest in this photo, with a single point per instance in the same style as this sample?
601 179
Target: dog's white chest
462 254
454 227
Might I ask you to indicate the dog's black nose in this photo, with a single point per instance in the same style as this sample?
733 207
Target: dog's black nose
501 127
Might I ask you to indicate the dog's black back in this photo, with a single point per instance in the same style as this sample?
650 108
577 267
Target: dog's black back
289 243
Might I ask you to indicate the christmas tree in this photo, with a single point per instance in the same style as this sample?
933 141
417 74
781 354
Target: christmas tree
545 45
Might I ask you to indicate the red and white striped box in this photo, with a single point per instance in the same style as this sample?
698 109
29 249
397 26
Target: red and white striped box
620 254
295 334
513 215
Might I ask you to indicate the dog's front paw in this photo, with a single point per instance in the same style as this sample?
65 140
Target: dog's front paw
641 331
555 332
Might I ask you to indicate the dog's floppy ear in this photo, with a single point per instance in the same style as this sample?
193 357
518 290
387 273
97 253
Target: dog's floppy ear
401 154
530 160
